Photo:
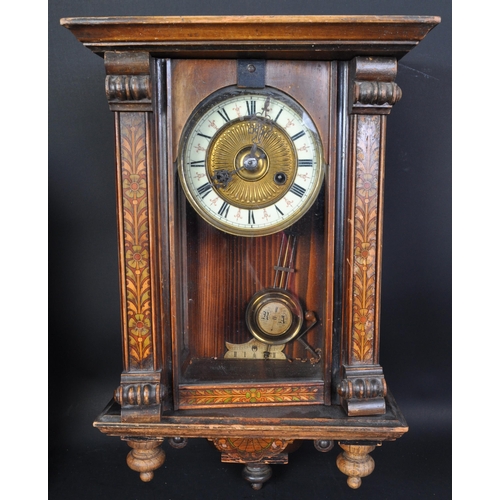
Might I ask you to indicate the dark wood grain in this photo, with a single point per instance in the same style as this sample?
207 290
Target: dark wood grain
234 268
224 272
290 37
308 422
185 285
193 81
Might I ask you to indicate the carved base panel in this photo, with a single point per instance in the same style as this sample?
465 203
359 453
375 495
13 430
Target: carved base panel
253 450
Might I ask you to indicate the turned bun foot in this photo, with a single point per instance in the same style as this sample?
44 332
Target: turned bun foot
354 482
257 474
146 476
355 463
324 445
177 442
145 457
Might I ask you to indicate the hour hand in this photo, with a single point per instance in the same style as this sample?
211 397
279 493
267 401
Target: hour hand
256 152
221 178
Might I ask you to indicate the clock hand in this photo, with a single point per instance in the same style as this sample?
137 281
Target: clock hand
223 177
251 160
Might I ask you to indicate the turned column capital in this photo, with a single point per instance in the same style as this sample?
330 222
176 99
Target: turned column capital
140 395
372 89
363 389
128 82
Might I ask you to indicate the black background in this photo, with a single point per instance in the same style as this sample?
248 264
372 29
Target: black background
84 325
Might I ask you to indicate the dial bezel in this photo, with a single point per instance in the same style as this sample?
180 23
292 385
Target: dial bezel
287 300
285 219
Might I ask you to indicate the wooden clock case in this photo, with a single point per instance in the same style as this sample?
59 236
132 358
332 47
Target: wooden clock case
342 70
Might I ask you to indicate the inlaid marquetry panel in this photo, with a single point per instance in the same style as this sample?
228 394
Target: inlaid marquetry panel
365 237
136 249
250 395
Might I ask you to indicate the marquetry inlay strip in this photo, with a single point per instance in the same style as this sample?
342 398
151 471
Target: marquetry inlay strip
365 237
250 395
136 251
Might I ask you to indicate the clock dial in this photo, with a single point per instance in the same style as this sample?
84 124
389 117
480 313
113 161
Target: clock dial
274 318
251 163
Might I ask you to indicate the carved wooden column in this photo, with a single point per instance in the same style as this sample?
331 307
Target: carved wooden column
128 89
372 92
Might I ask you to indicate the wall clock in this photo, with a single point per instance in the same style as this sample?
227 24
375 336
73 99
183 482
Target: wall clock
250 169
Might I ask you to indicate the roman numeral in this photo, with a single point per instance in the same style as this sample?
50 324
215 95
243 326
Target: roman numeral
251 217
205 189
278 115
298 135
224 209
197 163
250 107
205 136
297 190
278 210
305 163
223 114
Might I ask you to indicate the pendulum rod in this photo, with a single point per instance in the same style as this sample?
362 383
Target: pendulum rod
285 262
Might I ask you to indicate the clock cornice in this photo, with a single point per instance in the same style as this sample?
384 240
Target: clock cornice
300 37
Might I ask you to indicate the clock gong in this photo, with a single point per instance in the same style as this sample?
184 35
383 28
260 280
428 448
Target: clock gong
250 179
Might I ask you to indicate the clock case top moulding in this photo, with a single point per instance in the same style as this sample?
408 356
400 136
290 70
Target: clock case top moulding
362 52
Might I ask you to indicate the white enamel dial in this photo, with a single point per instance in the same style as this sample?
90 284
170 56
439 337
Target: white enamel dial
251 162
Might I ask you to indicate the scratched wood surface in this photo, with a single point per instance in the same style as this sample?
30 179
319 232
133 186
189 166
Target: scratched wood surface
271 37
